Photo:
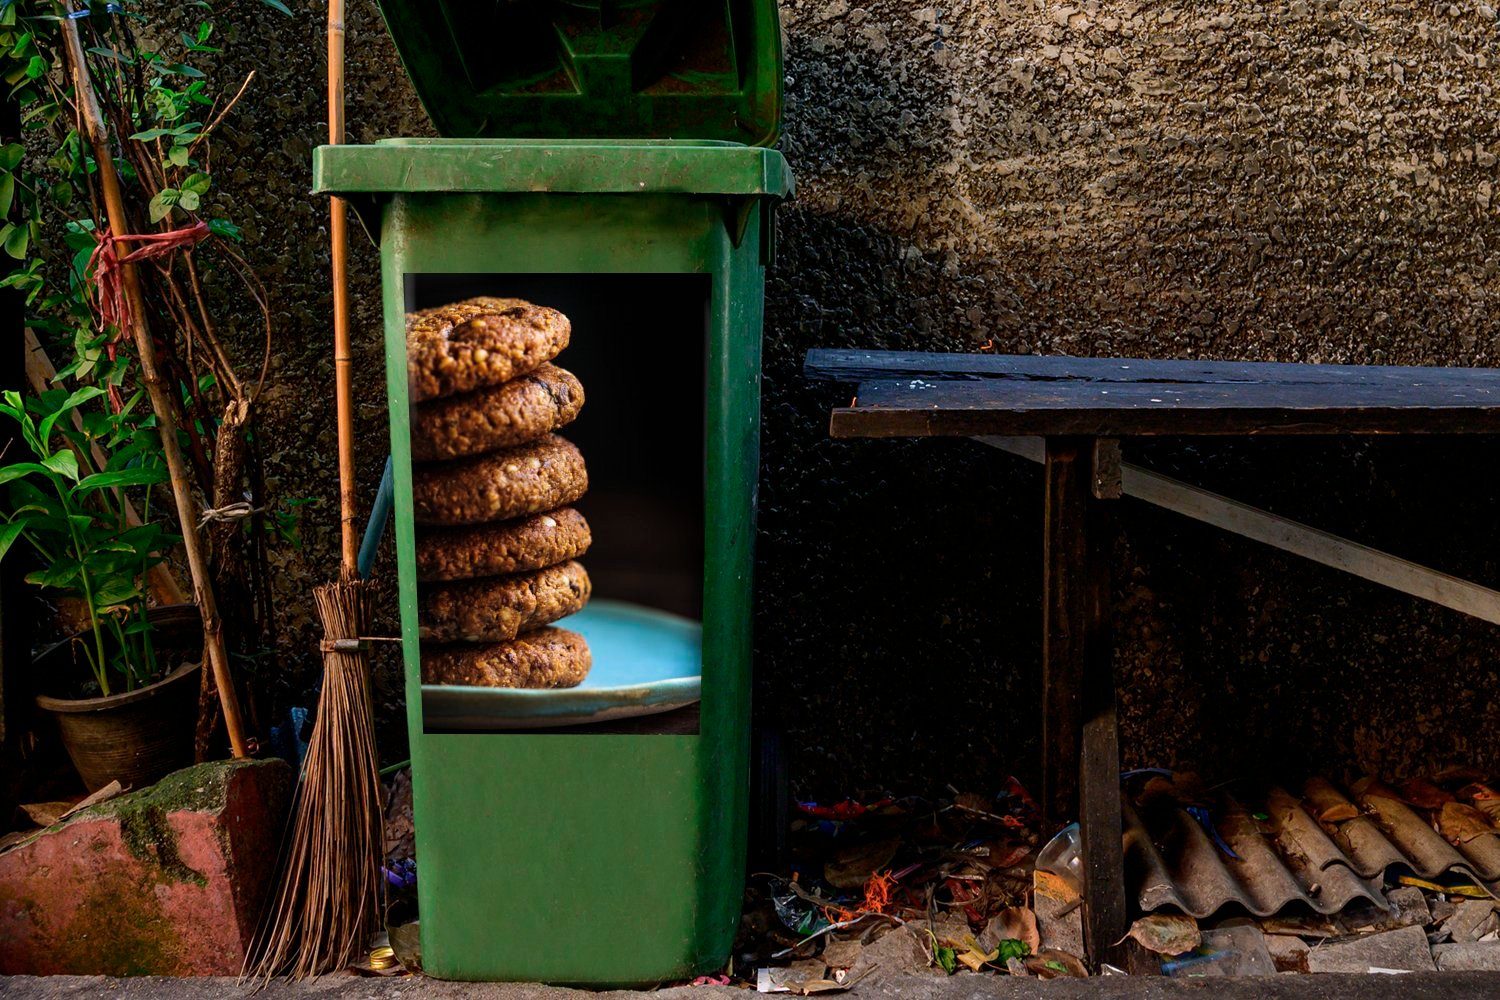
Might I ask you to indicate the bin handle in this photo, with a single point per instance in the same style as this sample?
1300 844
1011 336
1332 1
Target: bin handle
380 514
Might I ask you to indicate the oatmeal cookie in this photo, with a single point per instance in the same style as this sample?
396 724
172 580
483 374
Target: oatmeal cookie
517 546
479 342
535 477
546 658
501 416
497 609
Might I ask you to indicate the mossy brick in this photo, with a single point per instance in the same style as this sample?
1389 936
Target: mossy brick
165 881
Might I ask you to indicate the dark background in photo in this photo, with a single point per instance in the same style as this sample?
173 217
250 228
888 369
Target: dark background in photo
638 347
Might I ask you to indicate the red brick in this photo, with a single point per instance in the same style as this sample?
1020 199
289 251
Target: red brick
165 881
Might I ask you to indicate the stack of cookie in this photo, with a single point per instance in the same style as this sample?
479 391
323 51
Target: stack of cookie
491 484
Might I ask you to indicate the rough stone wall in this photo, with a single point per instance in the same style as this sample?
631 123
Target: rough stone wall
1306 180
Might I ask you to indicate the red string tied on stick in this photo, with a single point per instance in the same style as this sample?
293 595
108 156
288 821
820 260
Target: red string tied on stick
107 266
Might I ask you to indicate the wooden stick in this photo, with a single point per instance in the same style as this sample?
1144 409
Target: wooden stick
161 398
40 372
342 358
1283 533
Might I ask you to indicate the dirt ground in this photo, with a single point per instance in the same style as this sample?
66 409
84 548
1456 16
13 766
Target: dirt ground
1438 986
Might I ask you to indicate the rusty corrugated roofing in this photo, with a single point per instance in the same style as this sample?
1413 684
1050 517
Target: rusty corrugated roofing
1323 850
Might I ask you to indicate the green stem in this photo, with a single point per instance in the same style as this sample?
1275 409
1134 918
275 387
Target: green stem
101 673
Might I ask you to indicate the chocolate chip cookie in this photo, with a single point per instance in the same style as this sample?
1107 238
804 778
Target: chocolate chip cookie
501 416
535 477
497 609
479 342
517 546
546 658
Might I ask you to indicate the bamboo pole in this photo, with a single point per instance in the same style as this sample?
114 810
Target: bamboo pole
343 361
161 399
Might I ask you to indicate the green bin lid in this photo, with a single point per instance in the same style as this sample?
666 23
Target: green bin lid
650 69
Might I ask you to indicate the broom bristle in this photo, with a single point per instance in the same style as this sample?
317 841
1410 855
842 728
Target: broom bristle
328 901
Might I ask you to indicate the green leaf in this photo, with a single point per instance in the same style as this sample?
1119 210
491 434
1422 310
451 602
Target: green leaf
59 574
11 155
122 477
75 398
161 205
17 239
1012 948
18 469
9 533
226 229
947 958
197 183
64 463
188 201
116 592
37 68
177 156
277 5
7 192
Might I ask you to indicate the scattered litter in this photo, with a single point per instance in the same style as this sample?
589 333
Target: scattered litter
1237 949
1377 879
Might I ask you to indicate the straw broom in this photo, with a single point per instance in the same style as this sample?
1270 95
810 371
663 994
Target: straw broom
329 900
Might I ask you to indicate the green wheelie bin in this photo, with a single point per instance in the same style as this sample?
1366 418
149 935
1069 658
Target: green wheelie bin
608 160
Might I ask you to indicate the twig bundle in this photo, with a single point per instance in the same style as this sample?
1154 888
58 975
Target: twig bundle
329 900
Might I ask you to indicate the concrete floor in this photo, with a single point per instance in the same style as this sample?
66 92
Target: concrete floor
1426 986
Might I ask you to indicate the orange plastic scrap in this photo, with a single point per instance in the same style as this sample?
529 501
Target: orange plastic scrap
877 899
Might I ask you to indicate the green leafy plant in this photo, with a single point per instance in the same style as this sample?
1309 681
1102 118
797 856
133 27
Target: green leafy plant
80 525
161 106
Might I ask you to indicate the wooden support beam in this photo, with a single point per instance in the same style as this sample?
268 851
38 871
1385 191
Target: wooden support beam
1100 827
1080 736
1282 533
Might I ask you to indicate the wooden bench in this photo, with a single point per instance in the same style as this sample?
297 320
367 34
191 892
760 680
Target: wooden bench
1070 414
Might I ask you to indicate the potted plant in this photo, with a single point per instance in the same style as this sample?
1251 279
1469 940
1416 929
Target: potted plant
121 689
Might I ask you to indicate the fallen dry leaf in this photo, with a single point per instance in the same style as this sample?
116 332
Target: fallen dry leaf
1326 803
1484 798
1053 964
1014 923
104 794
1460 823
1166 933
852 867
1424 794
45 813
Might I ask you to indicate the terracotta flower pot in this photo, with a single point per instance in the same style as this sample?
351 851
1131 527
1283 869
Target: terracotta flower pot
139 736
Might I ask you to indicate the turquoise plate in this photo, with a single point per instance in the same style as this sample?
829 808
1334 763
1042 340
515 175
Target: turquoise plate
645 662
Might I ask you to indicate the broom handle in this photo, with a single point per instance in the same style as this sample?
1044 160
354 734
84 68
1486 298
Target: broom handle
161 401
339 250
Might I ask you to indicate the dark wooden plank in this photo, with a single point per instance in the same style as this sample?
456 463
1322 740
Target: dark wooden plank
928 408
1283 533
1101 829
1065 590
863 366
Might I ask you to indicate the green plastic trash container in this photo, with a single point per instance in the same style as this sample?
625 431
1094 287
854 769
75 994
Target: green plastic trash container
594 835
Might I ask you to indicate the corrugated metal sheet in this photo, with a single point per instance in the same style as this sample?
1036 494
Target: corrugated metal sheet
1290 858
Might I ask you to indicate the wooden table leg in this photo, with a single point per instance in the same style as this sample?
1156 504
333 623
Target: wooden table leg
1081 761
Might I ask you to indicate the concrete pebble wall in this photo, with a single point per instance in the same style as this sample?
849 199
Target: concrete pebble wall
1299 181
